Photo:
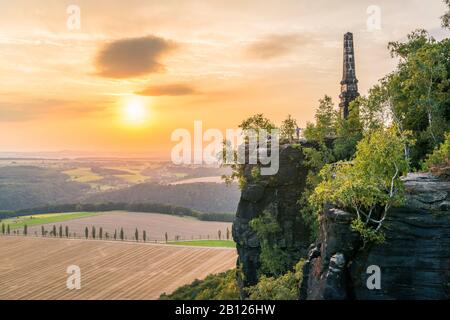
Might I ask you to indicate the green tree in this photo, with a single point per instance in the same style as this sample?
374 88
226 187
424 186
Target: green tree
115 234
144 235
369 185
54 231
86 232
255 124
285 287
136 235
60 231
100 233
42 231
275 261
325 125
348 132
25 230
417 92
166 236
288 129
228 234
8 230
446 17
439 157
93 232
122 236
67 231
3 228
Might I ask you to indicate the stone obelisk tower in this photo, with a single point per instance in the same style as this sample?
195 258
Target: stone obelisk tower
349 83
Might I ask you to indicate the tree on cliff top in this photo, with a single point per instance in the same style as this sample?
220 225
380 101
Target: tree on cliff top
369 185
288 129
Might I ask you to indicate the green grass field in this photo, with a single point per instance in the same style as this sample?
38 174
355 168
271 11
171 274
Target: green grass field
37 219
205 243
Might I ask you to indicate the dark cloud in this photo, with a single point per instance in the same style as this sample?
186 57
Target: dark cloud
176 89
275 45
132 57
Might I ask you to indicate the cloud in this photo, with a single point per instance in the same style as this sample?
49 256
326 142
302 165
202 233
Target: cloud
33 109
132 57
176 89
275 45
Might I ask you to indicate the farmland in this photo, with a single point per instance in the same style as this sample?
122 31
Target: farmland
206 243
34 220
155 225
35 268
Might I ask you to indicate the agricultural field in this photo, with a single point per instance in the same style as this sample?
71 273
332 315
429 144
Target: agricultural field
155 225
34 220
36 268
206 243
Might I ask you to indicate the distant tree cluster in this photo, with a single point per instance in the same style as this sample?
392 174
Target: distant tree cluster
111 206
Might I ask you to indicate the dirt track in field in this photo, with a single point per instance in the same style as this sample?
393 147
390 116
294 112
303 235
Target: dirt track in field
35 268
155 224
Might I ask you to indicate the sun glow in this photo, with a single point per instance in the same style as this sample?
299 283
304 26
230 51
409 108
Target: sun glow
135 111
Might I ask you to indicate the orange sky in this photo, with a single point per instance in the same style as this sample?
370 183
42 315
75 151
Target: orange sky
215 61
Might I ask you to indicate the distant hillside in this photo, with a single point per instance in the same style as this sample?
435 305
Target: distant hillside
205 197
24 187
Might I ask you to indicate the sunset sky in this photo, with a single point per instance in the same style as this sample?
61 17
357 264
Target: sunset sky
218 61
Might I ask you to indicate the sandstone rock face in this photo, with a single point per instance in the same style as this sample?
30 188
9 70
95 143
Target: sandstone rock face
277 194
414 261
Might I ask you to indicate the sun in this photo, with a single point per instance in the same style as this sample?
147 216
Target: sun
135 111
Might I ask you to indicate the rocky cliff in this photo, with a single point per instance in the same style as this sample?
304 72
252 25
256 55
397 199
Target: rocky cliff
278 195
414 261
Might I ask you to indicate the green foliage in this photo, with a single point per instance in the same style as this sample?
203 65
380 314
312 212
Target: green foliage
221 286
418 92
368 234
440 155
86 232
144 235
100 233
256 123
324 127
288 129
285 287
446 17
348 132
122 236
274 260
136 235
25 230
93 233
369 185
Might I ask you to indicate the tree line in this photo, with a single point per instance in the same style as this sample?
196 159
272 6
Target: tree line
92 233
110 206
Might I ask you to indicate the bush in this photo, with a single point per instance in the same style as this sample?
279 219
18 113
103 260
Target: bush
439 157
285 287
220 286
